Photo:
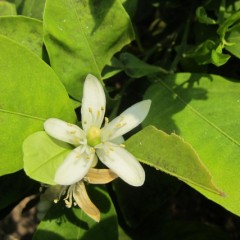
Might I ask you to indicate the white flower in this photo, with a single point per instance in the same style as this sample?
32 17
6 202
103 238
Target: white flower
93 142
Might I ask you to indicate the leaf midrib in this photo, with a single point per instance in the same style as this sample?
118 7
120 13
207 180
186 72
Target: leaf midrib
200 115
85 38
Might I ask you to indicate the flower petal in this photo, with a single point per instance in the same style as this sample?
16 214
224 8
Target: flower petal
100 176
123 163
64 131
84 202
126 121
75 167
93 103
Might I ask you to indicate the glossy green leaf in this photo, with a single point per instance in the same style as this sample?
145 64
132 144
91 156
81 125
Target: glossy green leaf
31 8
204 110
26 31
42 156
7 9
82 36
171 154
30 93
73 224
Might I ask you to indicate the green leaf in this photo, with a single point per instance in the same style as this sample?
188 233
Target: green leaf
233 37
62 223
227 25
42 156
82 36
31 8
26 31
137 68
204 110
7 9
202 52
219 58
30 93
202 16
171 154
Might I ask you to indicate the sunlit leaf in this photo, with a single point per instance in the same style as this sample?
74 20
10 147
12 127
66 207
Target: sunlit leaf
42 156
30 93
26 31
204 110
171 154
7 8
31 8
82 36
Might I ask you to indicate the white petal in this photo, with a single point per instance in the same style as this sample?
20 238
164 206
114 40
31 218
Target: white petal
64 131
74 168
119 140
93 103
126 121
123 163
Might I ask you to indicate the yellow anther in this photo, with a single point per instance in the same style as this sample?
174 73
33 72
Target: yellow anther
122 145
73 131
106 120
98 113
118 125
92 150
56 200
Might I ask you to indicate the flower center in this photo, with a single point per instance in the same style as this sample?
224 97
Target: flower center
93 136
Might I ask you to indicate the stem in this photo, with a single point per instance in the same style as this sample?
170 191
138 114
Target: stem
114 112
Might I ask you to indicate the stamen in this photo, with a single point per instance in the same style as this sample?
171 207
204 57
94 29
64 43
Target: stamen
73 131
106 121
122 145
98 114
118 125
69 197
